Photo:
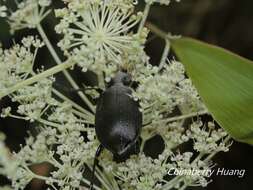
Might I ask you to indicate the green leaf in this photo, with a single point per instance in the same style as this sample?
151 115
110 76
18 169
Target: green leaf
225 83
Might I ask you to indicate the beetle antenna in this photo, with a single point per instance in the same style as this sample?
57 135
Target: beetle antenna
95 163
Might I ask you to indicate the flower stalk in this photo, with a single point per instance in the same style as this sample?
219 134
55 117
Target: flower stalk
65 72
36 78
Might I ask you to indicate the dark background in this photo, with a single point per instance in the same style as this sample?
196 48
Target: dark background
227 23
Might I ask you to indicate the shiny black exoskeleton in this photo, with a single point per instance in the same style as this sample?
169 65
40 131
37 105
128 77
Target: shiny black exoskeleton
118 120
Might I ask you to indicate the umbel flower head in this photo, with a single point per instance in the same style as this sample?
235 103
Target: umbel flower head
99 35
20 59
28 13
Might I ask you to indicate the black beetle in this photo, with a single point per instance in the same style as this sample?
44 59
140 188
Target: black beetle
118 120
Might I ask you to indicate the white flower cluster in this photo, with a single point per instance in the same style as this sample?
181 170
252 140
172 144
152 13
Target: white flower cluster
101 36
161 90
172 133
37 104
20 59
98 37
60 125
10 167
5 157
187 162
204 139
29 14
58 143
134 171
70 148
34 99
143 172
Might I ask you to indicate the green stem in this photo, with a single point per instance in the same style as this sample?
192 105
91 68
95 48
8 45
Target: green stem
165 54
145 16
49 123
44 178
75 105
181 117
66 74
104 178
85 121
210 156
114 183
183 187
88 183
153 28
102 181
101 82
18 117
36 78
172 183
88 119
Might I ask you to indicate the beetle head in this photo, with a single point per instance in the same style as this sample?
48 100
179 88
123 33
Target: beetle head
122 78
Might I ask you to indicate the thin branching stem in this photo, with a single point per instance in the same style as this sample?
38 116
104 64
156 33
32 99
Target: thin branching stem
181 117
66 74
36 78
145 16
165 54
160 33
75 105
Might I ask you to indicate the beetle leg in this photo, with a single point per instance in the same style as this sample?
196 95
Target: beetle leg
98 152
